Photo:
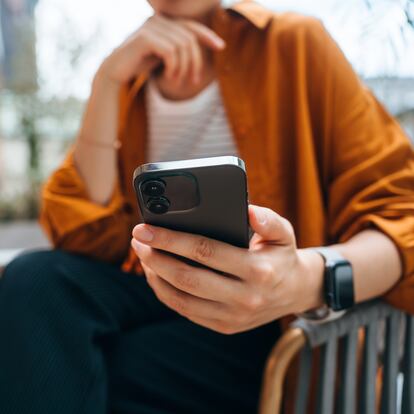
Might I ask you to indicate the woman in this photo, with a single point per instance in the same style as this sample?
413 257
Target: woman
160 336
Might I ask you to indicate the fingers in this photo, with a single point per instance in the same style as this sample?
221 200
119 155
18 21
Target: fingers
197 60
211 253
205 35
208 322
199 282
183 54
147 270
188 47
193 34
150 64
188 50
166 50
183 303
270 226
178 44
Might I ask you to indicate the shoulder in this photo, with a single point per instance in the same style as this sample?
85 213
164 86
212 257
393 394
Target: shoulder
295 28
304 40
284 28
289 23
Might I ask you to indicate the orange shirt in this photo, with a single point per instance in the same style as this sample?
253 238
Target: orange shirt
319 148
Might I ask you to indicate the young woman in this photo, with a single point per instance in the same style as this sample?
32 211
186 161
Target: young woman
327 166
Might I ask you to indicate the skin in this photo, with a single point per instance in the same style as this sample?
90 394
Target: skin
196 10
178 51
238 289
271 279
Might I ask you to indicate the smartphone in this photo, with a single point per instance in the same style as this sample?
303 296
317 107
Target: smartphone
206 196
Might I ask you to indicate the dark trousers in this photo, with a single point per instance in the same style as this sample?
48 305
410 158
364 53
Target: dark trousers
80 336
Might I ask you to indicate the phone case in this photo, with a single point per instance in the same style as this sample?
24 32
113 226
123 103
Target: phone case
206 196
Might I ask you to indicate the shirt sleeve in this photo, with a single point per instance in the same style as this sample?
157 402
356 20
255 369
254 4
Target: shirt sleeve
76 224
370 163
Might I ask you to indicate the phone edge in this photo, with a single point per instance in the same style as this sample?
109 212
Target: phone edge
191 163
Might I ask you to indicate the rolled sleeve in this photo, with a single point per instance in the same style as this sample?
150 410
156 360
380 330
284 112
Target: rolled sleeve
371 169
74 223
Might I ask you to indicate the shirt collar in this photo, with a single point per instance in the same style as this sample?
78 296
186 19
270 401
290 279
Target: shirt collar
256 14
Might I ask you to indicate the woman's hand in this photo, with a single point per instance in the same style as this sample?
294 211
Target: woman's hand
174 43
242 288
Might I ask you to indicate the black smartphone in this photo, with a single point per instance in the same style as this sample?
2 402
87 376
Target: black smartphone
206 196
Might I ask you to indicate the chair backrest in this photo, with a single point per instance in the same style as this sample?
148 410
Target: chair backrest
387 345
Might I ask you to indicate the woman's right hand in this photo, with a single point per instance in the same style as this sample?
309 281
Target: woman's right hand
175 44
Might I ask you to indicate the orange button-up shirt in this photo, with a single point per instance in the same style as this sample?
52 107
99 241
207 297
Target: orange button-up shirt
319 148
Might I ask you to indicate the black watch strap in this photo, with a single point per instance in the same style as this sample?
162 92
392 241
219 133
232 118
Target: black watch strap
338 278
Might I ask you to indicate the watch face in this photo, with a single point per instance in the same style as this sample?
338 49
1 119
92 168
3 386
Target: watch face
342 284
343 271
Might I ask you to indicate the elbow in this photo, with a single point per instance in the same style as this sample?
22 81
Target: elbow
401 296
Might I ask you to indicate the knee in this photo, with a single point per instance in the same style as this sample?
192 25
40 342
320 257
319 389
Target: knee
30 276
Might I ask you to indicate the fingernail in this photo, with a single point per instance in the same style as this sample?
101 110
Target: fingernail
260 217
144 234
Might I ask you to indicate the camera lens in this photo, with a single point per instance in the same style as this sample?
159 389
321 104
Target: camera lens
159 205
154 188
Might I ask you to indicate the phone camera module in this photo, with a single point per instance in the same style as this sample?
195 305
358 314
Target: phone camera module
158 205
154 188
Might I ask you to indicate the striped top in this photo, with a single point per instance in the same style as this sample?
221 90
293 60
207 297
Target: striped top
193 128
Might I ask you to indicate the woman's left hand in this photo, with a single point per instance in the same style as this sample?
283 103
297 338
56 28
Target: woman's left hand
242 288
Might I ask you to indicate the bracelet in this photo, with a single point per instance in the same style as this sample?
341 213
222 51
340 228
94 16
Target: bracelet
113 145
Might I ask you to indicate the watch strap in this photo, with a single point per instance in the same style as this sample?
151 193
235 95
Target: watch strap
329 254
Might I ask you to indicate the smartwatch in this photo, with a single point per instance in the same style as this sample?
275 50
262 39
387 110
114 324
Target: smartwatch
338 287
338 280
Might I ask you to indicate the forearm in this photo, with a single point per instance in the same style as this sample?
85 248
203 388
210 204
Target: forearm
375 261
95 153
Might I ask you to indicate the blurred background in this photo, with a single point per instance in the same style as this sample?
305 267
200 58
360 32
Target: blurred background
50 50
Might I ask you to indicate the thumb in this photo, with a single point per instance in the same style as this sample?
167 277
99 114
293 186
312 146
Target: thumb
271 226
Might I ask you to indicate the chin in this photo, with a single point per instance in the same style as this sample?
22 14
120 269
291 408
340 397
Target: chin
181 8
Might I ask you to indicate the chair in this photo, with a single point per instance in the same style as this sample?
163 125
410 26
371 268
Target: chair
387 349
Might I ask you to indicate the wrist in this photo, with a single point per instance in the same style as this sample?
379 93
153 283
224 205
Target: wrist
311 280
